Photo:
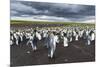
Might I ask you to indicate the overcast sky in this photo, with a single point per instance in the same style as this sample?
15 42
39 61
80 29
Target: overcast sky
25 10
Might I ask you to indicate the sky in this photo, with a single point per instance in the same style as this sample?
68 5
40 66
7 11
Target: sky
43 11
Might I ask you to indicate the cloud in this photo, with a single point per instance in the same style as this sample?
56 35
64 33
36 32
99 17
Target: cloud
40 17
19 7
53 18
52 11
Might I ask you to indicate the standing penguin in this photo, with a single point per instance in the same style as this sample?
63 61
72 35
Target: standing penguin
30 41
51 44
37 37
16 38
11 39
76 37
45 38
92 36
65 40
88 38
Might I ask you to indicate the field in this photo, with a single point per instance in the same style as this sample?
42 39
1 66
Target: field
41 24
77 51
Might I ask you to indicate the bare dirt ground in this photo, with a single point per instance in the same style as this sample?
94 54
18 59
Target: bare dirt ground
23 55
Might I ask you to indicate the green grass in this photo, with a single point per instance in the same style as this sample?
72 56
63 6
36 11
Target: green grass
47 22
42 22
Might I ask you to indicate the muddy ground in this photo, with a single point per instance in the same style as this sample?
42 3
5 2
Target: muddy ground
77 51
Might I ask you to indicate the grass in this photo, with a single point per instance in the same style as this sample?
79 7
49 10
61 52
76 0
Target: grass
47 22
43 22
